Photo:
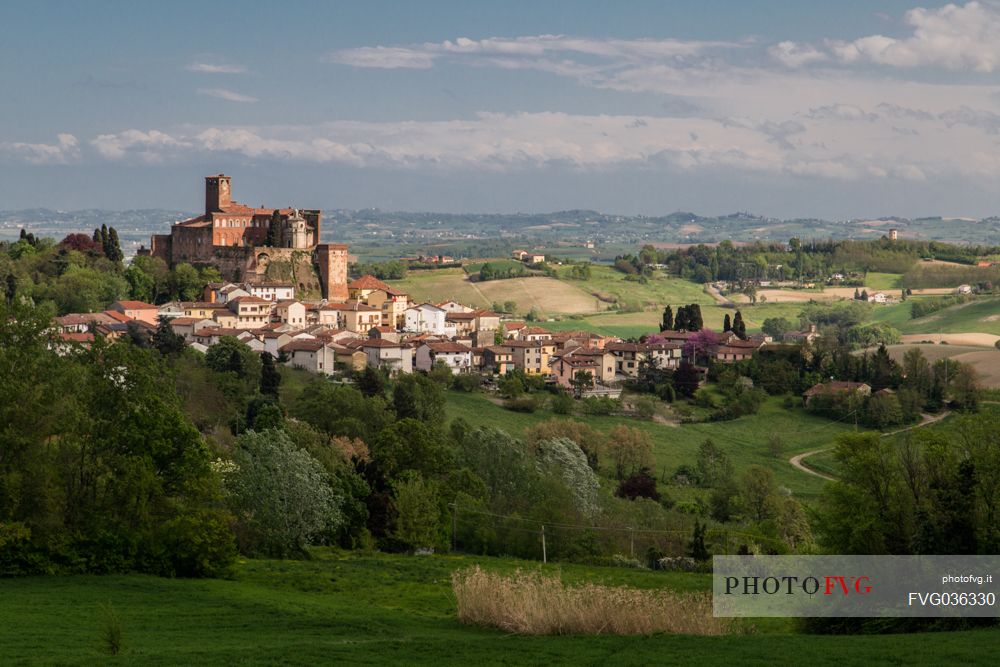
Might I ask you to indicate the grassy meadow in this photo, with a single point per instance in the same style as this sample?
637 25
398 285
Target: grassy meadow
745 440
379 609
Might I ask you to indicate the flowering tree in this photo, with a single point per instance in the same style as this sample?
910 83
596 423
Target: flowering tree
702 344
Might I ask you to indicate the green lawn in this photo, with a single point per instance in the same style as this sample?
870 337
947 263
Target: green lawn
365 609
745 440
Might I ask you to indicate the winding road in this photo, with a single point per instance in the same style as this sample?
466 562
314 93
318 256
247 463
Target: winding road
796 461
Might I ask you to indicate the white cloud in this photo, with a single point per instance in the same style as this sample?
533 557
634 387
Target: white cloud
215 68
793 54
64 151
527 52
954 37
383 57
152 146
226 94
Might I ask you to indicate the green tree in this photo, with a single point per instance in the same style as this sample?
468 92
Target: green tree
184 283
757 497
270 378
714 466
727 324
165 340
280 494
418 397
418 514
582 381
739 326
667 323
696 547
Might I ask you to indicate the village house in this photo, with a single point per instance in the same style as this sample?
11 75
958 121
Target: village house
428 318
188 326
271 291
377 294
251 311
454 355
836 388
350 356
807 336
497 359
603 361
291 312
454 307
532 357
395 357
137 310
388 333
314 356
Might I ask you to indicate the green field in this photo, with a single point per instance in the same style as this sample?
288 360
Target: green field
883 281
745 440
979 316
377 609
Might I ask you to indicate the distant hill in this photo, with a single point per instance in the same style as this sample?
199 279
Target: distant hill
402 227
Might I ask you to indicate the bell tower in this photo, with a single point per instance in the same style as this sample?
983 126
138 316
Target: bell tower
217 193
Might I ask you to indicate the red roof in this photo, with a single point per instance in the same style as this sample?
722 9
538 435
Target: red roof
77 337
134 305
303 345
446 347
368 282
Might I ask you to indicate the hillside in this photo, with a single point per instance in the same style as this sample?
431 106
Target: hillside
364 609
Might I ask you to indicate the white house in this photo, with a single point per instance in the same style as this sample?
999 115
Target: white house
456 356
381 353
879 297
291 312
428 318
313 355
963 289
272 291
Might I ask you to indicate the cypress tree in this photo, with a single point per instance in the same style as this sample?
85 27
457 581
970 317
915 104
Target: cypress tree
97 234
10 289
104 239
668 319
270 378
114 251
682 319
726 324
695 322
739 326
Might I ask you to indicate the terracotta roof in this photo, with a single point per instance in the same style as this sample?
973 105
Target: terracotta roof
445 347
248 299
368 282
77 337
304 345
380 342
185 320
833 387
625 347
134 305
118 317
514 326
459 316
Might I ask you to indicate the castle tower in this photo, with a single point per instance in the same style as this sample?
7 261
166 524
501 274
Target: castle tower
331 259
893 234
218 194
298 231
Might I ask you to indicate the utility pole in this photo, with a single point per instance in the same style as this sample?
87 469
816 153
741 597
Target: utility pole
545 556
454 527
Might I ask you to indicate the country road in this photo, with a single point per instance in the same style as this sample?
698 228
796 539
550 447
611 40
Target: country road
796 461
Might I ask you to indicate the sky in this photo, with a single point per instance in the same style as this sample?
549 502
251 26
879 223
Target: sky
855 108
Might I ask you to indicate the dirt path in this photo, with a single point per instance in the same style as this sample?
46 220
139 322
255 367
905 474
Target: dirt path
796 461
715 294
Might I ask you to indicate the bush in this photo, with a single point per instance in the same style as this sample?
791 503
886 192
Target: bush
563 404
638 485
522 404
600 406
469 382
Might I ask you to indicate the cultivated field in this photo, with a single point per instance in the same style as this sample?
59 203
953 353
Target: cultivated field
546 294
379 609
986 360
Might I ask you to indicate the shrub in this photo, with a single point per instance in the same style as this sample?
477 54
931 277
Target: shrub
536 604
563 404
112 633
639 485
600 405
522 404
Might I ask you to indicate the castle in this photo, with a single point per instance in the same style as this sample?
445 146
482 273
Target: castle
256 244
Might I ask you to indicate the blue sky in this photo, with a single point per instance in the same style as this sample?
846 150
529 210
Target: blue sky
845 109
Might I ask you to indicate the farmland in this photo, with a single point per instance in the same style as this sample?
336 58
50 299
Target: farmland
377 609
548 295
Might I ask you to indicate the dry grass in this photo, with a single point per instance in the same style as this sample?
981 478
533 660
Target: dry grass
531 603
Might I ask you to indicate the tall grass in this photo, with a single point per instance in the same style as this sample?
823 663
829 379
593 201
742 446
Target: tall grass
531 603
111 633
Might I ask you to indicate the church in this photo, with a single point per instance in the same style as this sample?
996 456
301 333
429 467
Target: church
243 241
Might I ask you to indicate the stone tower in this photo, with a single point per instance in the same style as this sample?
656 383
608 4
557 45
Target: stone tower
893 234
331 260
298 234
218 193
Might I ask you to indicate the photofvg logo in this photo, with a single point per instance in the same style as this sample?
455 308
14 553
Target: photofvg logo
881 586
